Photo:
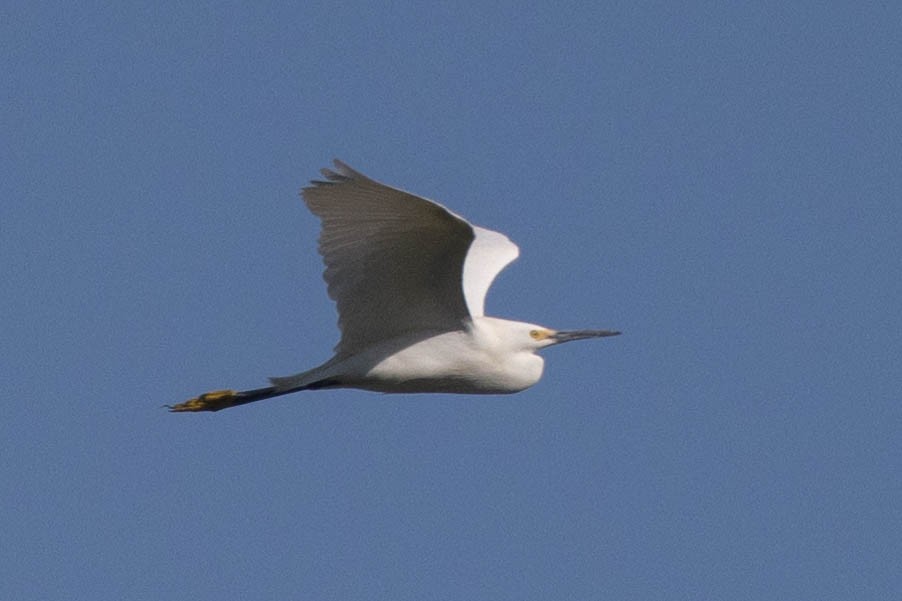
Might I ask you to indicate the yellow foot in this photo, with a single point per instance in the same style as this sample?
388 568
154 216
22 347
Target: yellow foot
209 401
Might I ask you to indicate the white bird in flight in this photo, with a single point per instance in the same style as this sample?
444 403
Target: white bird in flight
409 278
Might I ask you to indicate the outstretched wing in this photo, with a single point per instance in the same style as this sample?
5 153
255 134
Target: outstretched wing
489 253
397 263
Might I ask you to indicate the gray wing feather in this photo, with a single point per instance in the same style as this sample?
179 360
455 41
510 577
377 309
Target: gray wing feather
394 261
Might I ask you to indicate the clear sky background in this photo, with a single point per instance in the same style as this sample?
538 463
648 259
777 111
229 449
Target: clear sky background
721 181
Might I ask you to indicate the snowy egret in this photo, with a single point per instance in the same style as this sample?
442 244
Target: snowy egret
409 278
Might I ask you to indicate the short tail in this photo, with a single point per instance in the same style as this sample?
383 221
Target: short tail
223 399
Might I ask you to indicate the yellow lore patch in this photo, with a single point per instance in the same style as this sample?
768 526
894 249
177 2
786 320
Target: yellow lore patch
540 334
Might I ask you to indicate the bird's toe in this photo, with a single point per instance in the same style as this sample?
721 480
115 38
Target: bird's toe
209 401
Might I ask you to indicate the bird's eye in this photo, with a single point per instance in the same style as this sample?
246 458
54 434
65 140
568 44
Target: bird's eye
535 334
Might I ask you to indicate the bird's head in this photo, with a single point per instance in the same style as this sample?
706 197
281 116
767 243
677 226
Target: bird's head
531 337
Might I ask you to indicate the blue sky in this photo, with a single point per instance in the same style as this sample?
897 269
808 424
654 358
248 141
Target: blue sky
718 180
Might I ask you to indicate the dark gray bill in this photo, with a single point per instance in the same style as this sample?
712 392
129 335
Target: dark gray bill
567 336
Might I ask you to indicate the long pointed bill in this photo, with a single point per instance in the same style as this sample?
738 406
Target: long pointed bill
567 336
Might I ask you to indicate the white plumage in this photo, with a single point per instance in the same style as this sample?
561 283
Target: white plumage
409 278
